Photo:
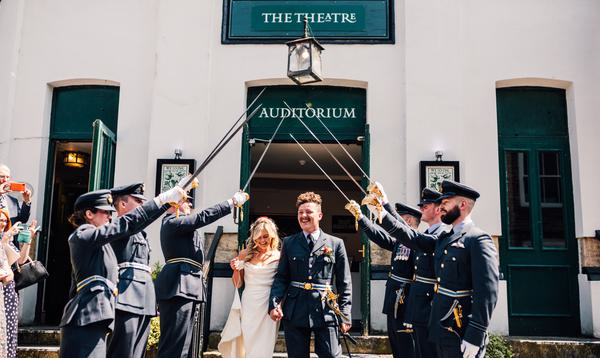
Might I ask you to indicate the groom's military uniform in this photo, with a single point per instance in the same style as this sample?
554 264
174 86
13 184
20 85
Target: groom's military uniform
398 284
308 269
466 270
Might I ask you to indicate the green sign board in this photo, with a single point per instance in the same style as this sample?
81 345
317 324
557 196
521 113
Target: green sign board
329 21
341 109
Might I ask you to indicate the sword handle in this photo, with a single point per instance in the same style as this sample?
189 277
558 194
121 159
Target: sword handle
238 214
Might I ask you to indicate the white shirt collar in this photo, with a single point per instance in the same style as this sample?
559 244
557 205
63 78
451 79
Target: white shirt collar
458 227
315 234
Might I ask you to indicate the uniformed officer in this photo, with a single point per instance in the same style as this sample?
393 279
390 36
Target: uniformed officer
421 293
180 286
136 301
466 268
311 262
400 277
89 314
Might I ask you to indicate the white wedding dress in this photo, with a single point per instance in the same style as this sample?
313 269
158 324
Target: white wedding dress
249 331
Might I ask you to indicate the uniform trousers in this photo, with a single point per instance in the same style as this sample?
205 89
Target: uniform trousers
423 348
401 342
130 335
84 341
176 327
297 341
454 351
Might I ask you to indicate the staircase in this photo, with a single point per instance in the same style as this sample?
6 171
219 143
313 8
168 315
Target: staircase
43 342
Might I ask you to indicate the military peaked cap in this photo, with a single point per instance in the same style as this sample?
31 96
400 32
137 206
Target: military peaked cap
429 196
406 209
451 188
99 199
136 190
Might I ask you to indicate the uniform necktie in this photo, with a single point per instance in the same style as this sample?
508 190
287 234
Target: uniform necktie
3 202
311 243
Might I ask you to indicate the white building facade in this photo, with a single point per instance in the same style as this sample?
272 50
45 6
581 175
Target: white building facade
508 89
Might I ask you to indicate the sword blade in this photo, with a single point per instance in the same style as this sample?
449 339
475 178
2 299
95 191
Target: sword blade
322 170
327 149
220 147
236 122
262 155
341 146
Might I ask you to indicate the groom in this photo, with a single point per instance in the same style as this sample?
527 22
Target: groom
302 289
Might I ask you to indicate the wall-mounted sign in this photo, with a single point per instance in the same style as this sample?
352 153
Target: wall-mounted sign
263 21
342 109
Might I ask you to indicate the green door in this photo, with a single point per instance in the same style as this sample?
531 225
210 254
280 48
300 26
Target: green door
342 109
104 142
72 128
538 249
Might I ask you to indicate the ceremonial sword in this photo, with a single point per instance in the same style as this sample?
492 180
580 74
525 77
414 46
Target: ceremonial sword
340 144
226 138
238 214
372 187
322 170
325 147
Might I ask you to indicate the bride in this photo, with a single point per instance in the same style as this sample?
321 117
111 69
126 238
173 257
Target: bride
249 331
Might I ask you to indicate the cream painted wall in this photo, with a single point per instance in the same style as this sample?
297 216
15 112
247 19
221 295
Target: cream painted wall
181 88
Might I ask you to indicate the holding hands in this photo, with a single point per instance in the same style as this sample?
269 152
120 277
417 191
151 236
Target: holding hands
276 313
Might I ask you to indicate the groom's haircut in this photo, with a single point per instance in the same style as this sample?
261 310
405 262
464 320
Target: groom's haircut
308 197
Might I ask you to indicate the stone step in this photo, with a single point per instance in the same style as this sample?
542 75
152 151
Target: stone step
365 344
554 347
216 354
43 342
37 351
39 336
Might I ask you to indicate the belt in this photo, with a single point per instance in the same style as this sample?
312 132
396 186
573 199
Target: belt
184 260
310 286
427 280
399 278
96 278
135 265
454 294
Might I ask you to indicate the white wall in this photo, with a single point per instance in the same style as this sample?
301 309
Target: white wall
181 88
499 321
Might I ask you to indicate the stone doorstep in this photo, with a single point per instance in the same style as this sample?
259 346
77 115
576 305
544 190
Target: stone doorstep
366 344
43 342
37 352
39 336
554 347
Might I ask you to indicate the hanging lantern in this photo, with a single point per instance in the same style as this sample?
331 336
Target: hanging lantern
75 159
304 59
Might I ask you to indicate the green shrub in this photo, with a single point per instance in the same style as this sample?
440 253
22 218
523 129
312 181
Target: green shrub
156 270
498 347
154 334
155 321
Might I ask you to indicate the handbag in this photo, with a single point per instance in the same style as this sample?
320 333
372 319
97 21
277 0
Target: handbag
29 274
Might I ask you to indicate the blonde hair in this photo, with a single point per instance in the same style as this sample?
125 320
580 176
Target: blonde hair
262 223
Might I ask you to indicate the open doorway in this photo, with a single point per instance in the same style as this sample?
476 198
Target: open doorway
71 171
287 171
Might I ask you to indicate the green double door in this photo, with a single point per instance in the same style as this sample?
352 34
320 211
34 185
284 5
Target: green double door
538 246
